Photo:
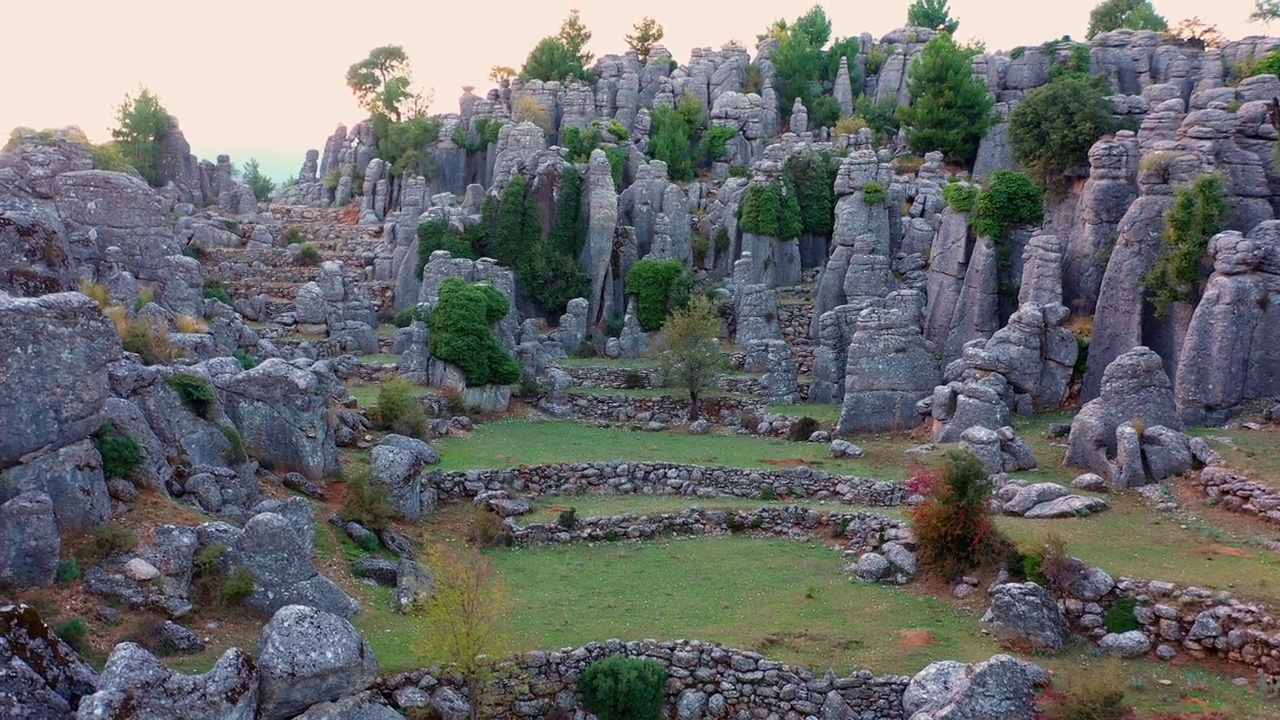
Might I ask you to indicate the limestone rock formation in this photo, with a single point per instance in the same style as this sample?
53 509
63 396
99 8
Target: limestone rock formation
43 676
134 684
1023 615
29 552
890 367
999 687
306 657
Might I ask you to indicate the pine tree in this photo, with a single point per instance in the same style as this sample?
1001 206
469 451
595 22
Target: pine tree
932 14
950 110
143 124
647 34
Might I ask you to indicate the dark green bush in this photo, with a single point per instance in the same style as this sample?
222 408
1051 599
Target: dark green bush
962 197
739 171
195 392
768 494
875 193
813 176
212 584
436 235
881 117
1269 65
120 452
1120 617
1052 130
715 142
950 109
623 688
660 286
397 409
68 571
1195 216
460 332
568 519
803 428
308 255
404 318
247 360
74 632
771 211
669 141
365 502
234 588
214 289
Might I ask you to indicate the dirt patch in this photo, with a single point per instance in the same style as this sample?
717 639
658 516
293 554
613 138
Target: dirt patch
1216 549
913 638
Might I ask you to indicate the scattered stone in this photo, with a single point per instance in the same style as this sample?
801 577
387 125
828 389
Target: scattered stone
1091 482
1025 616
844 449
1131 644
1001 687
140 570
179 639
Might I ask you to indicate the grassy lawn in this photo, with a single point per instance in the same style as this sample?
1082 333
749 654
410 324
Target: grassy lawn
367 393
825 414
786 599
1254 452
509 443
548 508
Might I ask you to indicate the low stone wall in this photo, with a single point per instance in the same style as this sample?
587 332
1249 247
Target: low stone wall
863 532
793 319
664 409
613 377
1239 494
704 680
621 478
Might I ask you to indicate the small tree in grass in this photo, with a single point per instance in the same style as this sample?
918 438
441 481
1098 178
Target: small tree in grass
953 526
688 352
623 688
464 622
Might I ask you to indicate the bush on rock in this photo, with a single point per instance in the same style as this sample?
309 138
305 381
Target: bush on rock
460 332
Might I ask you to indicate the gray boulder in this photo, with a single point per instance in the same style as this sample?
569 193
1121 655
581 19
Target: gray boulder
136 686
365 706
872 567
306 657
281 412
29 542
1031 496
413 585
1025 616
890 367
54 372
1001 687
1068 506
1131 644
39 670
276 551
72 478
398 473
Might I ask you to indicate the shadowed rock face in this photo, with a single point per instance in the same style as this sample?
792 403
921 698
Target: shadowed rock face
42 671
135 684
57 348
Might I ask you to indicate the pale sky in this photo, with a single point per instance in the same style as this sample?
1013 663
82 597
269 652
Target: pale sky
264 78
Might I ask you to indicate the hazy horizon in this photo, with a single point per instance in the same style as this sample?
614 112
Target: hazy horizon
266 80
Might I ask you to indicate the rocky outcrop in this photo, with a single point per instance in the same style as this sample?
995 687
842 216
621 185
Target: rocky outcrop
1000 687
136 686
54 373
596 258
1134 389
30 547
1024 616
1000 450
398 462
1104 200
1230 355
890 367
306 657
42 676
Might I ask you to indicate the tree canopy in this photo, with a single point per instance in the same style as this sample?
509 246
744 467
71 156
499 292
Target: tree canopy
143 123
575 36
261 184
950 110
383 85
1052 130
1265 11
645 34
688 350
1131 14
551 59
933 14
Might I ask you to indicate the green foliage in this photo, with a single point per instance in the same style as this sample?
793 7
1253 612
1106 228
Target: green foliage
552 59
1011 198
143 124
397 409
381 83
617 164
547 268
308 254
1052 130
261 184
580 142
568 227
68 571
575 36
688 350
670 135
1269 65
436 235
623 688
1195 216
824 111
1078 66
814 26
849 48
739 171
953 526
798 59
120 452
660 286
214 289
293 236
962 197
404 318
485 133
715 142
106 540
1087 693
247 360
876 58
616 129
107 156
771 211
1265 11
1116 14
516 225
874 193
234 454
211 583
552 279
195 392
645 34
1120 617
406 145
460 332
950 109
813 177
74 632
365 501
149 339
568 518
932 14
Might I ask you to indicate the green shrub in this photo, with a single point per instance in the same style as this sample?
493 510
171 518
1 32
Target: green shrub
1195 216
120 452
669 138
234 588
105 540
768 494
874 193
196 394
813 177
365 502
568 519
623 688
460 332
739 171
149 338
953 525
802 429
143 125
436 235
68 571
613 327
293 236
1087 693
397 409
722 241
214 289
234 454
1120 617
616 129
308 255
1011 198
247 360
950 109
1052 130
771 211
74 632
660 286
404 318
611 535
715 142
1111 15
211 584
1269 65
961 197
